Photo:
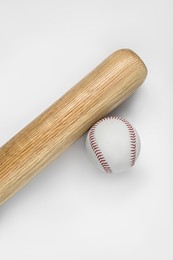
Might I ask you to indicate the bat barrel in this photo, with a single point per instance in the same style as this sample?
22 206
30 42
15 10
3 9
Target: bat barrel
46 137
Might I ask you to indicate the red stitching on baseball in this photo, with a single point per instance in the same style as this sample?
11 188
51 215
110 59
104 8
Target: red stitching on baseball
132 140
96 148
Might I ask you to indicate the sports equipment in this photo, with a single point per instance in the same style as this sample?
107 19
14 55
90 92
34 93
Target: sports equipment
113 144
46 137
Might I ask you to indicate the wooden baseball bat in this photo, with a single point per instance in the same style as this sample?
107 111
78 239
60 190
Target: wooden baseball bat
46 137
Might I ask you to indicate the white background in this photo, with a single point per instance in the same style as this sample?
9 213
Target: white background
71 210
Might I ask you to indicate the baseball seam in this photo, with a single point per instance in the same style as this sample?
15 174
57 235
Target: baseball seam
97 150
132 139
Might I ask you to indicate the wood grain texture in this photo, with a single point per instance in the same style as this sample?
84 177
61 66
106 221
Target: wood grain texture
40 142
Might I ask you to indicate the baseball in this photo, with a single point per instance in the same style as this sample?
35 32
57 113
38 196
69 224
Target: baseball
113 144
